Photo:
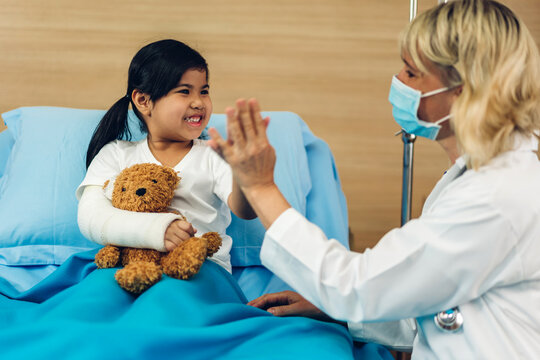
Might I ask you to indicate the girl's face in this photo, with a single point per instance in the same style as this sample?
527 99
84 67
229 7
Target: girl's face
182 114
432 108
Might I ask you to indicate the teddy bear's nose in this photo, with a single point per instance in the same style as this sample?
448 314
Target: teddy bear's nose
140 191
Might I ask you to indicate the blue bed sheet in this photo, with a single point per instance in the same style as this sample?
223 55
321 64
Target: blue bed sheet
80 312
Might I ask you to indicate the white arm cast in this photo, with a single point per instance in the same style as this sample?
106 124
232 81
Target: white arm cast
104 224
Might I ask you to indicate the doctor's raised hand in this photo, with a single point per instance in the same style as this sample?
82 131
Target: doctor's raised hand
252 158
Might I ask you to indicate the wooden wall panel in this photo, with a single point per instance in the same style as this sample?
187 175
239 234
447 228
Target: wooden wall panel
329 61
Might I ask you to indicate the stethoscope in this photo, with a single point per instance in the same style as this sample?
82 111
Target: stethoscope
449 320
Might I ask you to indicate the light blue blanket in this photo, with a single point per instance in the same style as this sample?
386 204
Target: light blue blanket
79 312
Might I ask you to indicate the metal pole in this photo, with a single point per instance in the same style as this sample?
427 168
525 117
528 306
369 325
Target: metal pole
408 154
414 9
406 189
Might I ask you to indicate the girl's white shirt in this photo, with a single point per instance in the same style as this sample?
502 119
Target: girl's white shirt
205 186
475 246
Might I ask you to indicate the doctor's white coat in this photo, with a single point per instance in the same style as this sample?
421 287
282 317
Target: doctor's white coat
475 246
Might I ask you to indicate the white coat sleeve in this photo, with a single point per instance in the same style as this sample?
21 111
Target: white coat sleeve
104 224
397 335
429 265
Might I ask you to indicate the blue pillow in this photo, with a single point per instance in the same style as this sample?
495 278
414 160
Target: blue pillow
46 151
45 165
6 143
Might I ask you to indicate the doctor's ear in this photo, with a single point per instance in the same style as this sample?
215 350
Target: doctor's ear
142 102
455 92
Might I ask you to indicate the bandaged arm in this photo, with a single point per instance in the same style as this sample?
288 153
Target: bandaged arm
104 224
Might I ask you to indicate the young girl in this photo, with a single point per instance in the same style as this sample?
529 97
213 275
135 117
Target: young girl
169 92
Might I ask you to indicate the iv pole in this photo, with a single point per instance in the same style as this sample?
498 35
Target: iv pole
408 154
408 149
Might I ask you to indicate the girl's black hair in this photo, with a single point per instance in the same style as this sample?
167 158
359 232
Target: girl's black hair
154 70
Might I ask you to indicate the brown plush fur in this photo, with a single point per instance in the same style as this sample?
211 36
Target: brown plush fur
150 188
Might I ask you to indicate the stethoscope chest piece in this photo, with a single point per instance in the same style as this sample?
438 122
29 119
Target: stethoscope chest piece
449 320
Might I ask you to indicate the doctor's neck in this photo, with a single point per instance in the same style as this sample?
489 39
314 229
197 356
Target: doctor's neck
449 145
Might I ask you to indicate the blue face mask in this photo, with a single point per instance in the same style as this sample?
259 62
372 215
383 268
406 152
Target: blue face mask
405 101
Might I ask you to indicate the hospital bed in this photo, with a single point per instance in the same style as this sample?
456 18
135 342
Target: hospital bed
54 303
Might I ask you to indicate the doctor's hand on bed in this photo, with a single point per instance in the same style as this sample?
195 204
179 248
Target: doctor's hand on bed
252 159
178 232
290 303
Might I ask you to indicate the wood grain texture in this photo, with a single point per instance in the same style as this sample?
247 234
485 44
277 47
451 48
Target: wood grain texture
331 62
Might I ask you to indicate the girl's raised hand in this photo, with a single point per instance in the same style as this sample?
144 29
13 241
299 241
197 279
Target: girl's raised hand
247 149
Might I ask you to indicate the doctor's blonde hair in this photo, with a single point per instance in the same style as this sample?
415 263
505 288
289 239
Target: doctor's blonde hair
483 46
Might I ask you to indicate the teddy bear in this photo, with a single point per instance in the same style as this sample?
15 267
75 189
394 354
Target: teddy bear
150 188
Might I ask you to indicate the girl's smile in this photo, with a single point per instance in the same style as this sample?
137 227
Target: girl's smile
194 120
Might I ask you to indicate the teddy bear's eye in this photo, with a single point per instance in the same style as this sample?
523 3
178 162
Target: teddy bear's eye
154 181
123 189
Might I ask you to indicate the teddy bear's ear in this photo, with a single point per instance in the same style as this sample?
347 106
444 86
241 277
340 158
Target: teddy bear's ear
173 177
108 188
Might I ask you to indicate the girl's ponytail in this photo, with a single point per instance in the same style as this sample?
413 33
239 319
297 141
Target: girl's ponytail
113 126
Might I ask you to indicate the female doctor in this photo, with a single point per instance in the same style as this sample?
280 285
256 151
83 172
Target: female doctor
466 272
